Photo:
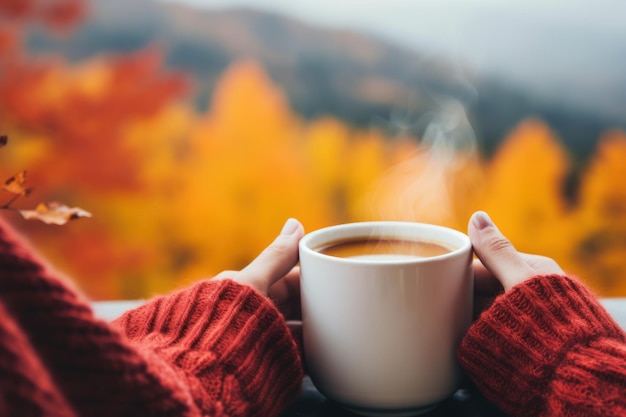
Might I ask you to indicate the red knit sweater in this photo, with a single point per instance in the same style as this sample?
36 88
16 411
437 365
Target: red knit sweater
548 348
215 349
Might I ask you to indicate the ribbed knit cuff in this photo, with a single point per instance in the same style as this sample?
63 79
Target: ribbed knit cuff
231 342
57 359
512 350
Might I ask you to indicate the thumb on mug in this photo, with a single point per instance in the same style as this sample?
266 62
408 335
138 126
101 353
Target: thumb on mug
276 260
496 252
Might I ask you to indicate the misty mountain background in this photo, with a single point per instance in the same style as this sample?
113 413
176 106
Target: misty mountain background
358 77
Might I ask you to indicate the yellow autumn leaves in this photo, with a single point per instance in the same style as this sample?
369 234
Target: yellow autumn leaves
215 189
250 163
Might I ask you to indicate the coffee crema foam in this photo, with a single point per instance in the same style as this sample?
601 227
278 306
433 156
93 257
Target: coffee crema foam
384 249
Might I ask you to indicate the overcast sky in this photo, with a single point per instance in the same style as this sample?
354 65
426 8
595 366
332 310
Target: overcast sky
564 45
474 30
440 21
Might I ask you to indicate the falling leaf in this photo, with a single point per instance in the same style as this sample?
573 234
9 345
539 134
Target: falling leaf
16 184
4 139
54 213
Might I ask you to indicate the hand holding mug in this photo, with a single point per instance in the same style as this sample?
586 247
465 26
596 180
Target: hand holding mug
500 266
274 273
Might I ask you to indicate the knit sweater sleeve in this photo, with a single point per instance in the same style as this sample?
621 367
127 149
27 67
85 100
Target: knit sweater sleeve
227 341
548 348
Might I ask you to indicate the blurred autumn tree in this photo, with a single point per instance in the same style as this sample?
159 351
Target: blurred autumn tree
68 123
599 223
178 196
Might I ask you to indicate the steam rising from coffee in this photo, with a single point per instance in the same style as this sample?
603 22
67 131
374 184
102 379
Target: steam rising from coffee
428 186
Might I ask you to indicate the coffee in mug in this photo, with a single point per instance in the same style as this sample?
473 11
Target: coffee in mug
381 323
384 248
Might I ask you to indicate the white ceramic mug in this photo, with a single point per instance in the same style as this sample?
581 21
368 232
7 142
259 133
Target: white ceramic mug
380 335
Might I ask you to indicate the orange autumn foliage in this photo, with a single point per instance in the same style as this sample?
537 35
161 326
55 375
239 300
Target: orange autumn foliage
177 195
599 223
524 190
56 14
79 114
67 126
216 188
